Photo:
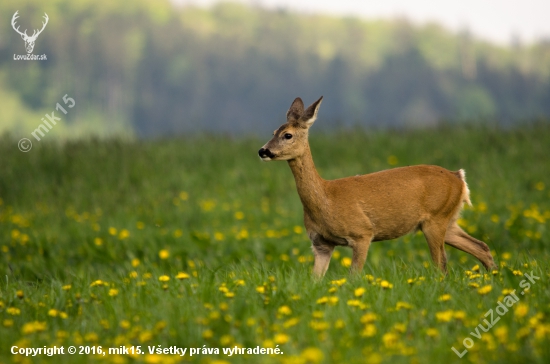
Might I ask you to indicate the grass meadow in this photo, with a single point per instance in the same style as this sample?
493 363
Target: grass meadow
193 242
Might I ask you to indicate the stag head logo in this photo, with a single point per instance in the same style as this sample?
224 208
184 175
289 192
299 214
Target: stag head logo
29 40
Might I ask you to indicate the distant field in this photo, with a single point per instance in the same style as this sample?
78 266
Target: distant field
195 243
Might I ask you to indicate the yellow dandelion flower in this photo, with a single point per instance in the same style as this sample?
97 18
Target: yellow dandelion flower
164 278
523 332
32 327
400 327
386 285
164 254
338 282
98 241
182 275
14 311
339 324
368 318
354 303
402 305
322 300
459 315
501 333
243 234
91 336
124 324
444 316
239 215
521 310
432 332
317 314
291 322
444 298
53 312
98 282
346 262
369 330
20 294
207 334
124 234
390 339
484 290
113 292
105 324
319 325
145 336
312 355
112 231
359 291
284 310
226 340
260 289
281 339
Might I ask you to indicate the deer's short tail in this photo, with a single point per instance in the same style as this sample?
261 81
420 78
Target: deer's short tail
466 191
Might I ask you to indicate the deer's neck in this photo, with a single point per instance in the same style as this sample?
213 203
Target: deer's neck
310 186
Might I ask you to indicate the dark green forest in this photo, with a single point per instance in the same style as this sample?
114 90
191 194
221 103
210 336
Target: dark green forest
149 68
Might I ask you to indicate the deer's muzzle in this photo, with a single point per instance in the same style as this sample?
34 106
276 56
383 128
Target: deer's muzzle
265 154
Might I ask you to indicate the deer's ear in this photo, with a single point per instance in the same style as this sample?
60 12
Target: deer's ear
296 110
310 114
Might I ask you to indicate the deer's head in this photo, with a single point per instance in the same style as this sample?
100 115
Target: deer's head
290 140
29 40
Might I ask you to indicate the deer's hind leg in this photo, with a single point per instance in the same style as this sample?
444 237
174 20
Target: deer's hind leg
435 237
459 239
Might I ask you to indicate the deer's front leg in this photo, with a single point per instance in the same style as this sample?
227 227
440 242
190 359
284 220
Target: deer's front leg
360 249
322 250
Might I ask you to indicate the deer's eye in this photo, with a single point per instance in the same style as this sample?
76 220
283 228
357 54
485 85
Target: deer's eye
288 136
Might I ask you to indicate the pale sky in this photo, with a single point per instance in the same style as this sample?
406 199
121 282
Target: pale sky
495 20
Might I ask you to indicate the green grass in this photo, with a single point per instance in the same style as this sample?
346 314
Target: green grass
87 229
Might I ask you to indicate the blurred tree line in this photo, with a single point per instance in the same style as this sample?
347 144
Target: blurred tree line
149 67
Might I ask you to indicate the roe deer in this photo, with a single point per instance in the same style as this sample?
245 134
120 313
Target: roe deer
355 211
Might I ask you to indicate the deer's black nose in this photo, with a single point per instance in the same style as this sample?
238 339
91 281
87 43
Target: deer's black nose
265 153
